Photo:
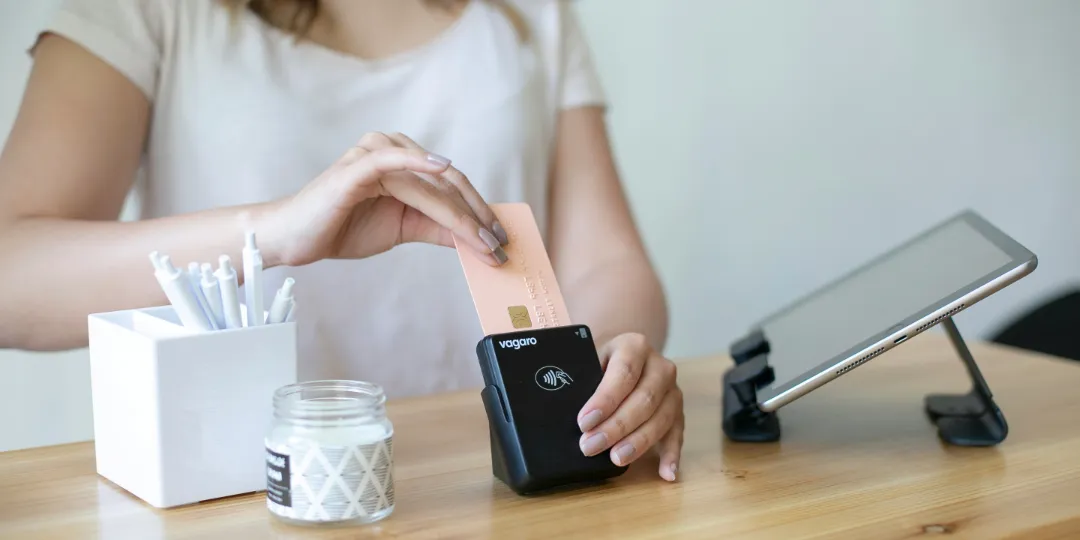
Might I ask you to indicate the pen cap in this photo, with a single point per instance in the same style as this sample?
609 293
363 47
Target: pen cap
207 272
536 383
225 267
286 288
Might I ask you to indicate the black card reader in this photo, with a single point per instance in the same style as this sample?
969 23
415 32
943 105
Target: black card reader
536 382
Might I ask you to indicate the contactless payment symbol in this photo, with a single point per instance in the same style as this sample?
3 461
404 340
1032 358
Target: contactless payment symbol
552 378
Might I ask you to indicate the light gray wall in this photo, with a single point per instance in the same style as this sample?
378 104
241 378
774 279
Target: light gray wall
768 146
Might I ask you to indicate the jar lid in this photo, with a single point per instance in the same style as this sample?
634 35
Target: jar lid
329 400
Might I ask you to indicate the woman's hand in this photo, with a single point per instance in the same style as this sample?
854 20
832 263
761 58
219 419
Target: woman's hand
384 191
638 406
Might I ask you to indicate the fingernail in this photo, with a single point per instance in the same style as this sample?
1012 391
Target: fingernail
500 255
500 233
590 420
489 239
438 160
594 445
623 454
672 471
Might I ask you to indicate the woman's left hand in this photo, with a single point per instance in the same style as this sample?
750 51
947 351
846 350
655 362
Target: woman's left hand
637 406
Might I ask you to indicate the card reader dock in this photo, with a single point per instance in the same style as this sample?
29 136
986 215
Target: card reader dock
536 382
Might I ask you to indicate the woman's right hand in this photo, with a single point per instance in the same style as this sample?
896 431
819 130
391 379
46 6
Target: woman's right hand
384 191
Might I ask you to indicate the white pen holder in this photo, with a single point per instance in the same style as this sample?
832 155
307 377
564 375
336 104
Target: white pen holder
180 416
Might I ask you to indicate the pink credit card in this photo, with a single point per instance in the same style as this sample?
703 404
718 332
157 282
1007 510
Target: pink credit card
522 293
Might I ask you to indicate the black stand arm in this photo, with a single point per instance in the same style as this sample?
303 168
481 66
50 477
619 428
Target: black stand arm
743 420
971 419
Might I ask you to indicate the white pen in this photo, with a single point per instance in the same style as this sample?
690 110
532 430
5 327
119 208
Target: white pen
230 294
195 275
212 293
279 309
155 259
291 317
178 290
253 283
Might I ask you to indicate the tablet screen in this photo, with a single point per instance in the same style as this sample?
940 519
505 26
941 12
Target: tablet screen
901 284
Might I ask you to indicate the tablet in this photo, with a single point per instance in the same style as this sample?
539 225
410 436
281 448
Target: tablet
885 302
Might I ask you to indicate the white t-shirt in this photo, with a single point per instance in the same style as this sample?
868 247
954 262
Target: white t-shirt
250 115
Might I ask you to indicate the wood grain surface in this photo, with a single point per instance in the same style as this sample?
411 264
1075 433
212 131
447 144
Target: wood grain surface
858 460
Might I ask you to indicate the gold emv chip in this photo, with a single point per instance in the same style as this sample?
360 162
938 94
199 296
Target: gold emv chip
519 316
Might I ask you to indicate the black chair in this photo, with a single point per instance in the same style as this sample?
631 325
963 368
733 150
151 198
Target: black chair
1052 328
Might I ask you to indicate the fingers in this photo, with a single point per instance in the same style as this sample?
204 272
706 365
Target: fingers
637 406
623 360
416 227
639 441
372 173
440 196
463 188
367 144
439 181
670 446
440 208
374 141
364 173
641 406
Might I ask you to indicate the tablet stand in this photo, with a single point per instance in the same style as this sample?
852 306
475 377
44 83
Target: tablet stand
743 420
971 419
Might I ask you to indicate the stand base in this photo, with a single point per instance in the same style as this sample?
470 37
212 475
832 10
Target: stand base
971 419
741 423
743 420
962 420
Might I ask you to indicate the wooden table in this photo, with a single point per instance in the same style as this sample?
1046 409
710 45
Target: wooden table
858 460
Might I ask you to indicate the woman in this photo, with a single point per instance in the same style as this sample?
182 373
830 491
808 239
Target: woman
233 110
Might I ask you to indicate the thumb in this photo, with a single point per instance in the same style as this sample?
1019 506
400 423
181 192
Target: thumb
417 227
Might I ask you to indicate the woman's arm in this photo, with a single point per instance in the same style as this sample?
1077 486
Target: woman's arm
611 286
64 174
70 162
596 250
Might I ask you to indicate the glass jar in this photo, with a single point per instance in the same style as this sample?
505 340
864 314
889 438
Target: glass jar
330 454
